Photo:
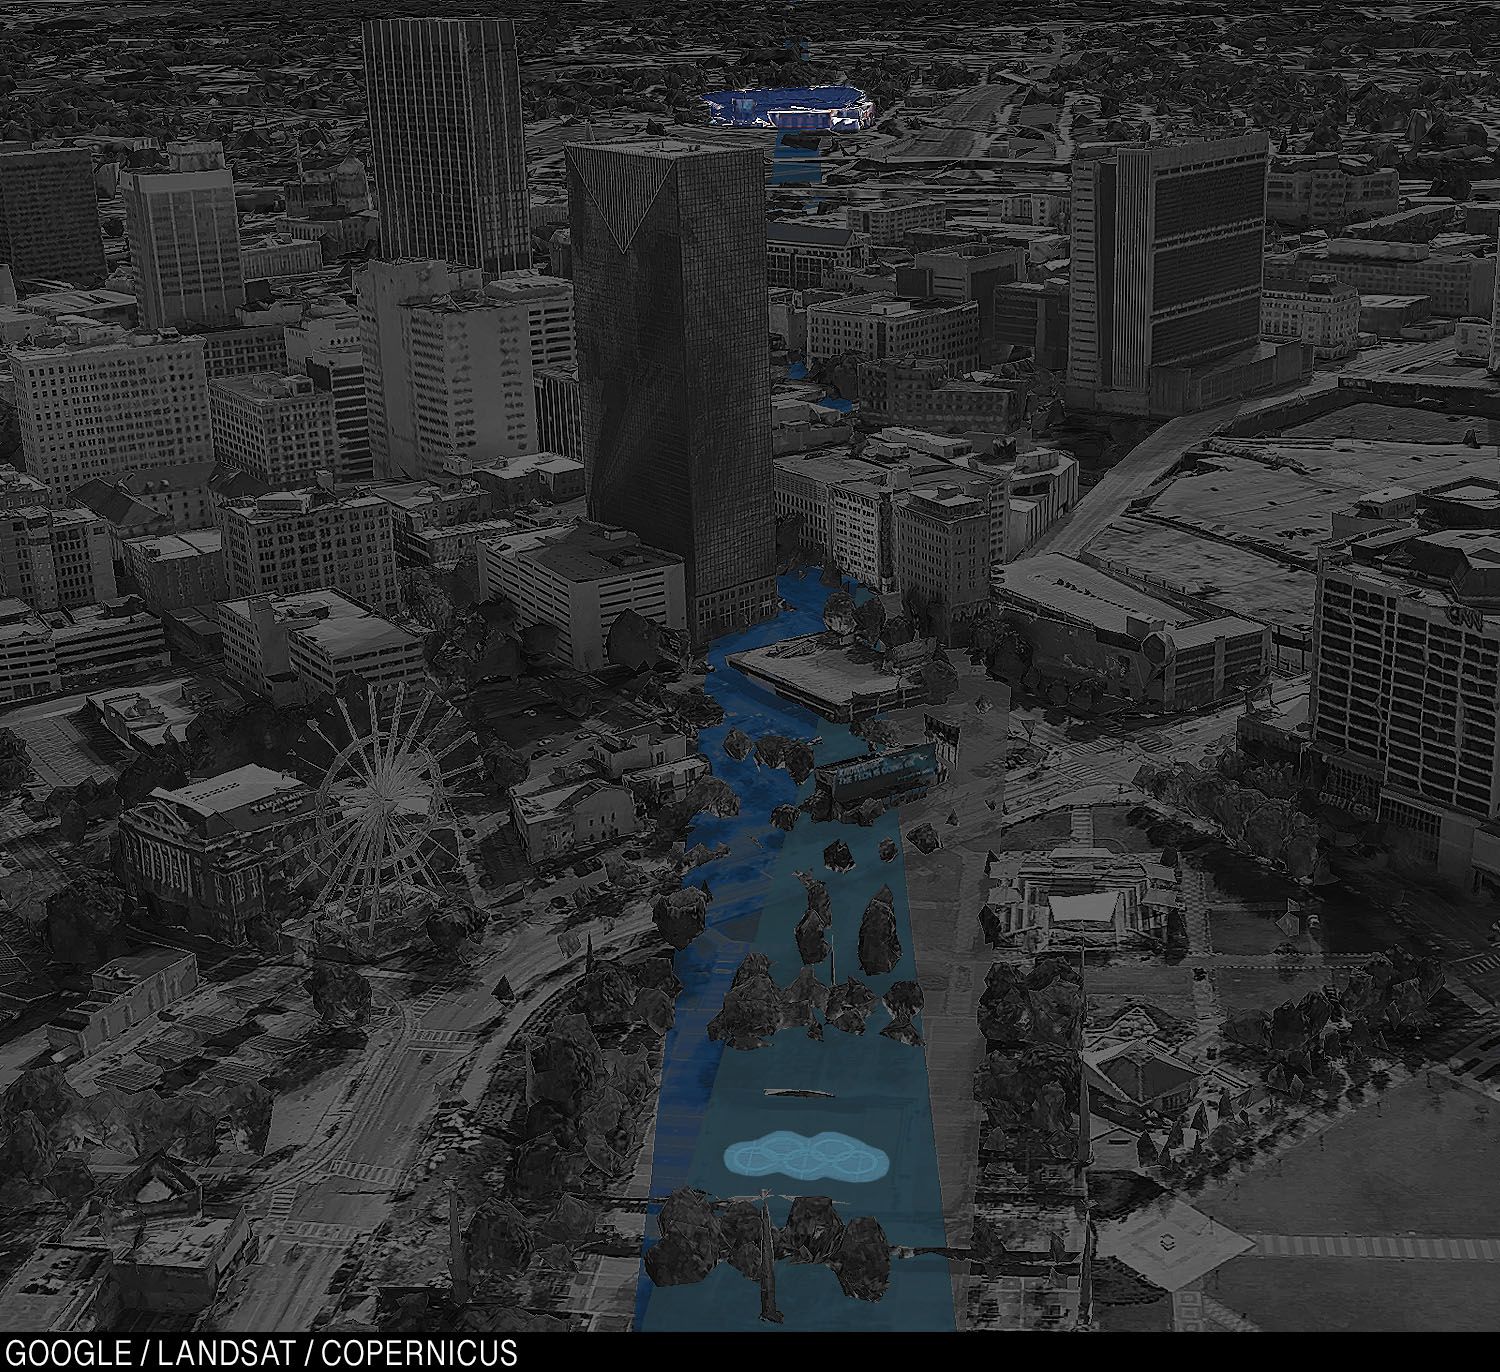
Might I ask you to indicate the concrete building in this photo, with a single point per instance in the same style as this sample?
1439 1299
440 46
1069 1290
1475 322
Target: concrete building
1405 697
447 368
55 558
942 555
281 430
921 392
151 501
889 224
808 256
548 303
1034 314
103 403
245 348
341 375
291 542
203 856
1327 190
1459 284
1043 209
28 659
291 648
99 643
877 326
49 216
564 820
172 571
1473 340
1081 635
669 274
581 578
418 508
965 272
280 255
20 490
124 993
559 417
1166 265
448 145
183 228
1320 310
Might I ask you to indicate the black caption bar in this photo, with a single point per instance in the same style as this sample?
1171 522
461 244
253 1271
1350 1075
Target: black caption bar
244 1352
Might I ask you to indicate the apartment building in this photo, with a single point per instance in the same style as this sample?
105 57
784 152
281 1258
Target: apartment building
280 429
888 225
1326 190
103 402
173 571
292 542
1459 284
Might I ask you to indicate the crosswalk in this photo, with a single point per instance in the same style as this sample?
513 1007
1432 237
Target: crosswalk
1403 1246
1081 820
365 1171
312 1231
1479 965
282 1201
430 998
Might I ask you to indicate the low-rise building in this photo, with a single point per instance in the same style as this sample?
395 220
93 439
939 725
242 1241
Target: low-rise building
280 255
806 255
1472 340
559 821
203 856
1458 283
1329 190
293 647
889 224
1319 310
580 578
1079 635
95 643
1034 314
923 392
28 659
876 326
122 994
176 570
152 500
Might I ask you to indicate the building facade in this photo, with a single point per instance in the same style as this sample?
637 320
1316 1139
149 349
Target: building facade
104 403
449 154
559 415
674 362
49 216
184 236
291 542
280 429
55 559
548 303
1167 242
877 326
1320 311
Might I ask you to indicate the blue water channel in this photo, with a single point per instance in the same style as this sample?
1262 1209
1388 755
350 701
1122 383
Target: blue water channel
712 1097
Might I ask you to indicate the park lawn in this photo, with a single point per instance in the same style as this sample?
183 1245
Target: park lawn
1236 930
1384 1295
1418 1159
1243 989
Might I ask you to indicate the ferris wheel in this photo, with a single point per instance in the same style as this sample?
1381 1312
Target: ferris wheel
383 826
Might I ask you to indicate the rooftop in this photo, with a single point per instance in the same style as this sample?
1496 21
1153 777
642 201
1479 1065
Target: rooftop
243 786
584 552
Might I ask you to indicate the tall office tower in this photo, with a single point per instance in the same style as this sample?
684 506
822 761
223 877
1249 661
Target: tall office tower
449 147
1166 265
1495 327
49 216
548 302
447 369
105 402
669 280
185 239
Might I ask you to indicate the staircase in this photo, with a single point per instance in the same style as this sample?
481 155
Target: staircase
1083 827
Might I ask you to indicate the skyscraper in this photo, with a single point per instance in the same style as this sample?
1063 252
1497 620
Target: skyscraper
449 148
669 279
1166 265
49 216
185 239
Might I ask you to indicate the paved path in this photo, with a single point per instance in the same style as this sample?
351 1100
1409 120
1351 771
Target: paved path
1404 1246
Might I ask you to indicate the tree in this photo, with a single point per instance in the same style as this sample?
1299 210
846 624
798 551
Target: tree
869 619
340 996
83 919
15 764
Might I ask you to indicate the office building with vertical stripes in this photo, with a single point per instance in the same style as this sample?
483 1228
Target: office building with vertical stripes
449 149
1166 264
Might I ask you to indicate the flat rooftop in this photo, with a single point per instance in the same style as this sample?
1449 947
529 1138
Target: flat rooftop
230 790
1086 594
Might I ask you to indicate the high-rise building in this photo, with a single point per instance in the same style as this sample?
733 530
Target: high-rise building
184 239
1405 696
49 216
559 425
1166 263
279 429
55 559
447 368
1495 327
669 279
943 553
296 541
449 149
548 302
104 402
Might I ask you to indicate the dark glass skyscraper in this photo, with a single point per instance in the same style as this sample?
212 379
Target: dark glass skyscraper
449 148
669 280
